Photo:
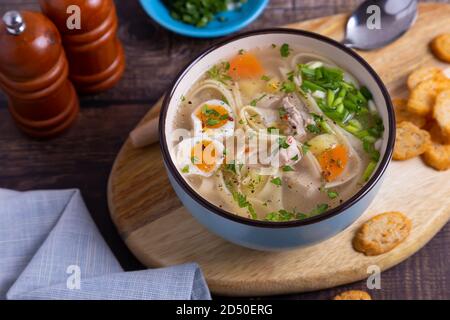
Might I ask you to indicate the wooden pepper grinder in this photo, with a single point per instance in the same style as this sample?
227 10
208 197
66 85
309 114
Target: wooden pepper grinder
95 54
34 74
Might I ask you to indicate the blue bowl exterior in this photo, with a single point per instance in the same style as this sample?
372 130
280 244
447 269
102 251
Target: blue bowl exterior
234 20
274 239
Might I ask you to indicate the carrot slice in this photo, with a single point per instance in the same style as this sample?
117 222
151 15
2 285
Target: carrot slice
245 66
333 162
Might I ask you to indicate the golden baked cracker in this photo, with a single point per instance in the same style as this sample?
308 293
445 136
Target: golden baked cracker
440 46
436 133
410 141
401 114
437 156
353 295
382 233
423 96
441 111
422 74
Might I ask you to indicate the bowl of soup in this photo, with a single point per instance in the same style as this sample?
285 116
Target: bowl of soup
276 139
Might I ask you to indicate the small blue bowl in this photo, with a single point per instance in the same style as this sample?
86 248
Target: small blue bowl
232 20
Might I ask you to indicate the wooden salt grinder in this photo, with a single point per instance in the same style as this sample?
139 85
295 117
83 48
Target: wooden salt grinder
95 54
34 74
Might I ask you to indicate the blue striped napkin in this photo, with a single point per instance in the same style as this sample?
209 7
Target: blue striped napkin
50 248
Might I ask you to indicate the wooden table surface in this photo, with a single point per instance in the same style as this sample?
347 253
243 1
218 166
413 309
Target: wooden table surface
82 157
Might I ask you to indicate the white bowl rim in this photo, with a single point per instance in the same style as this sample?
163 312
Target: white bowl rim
376 176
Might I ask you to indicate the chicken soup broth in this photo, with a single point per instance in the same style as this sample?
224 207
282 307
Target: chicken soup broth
318 127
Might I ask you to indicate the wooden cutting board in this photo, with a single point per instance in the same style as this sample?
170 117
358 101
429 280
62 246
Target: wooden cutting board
160 232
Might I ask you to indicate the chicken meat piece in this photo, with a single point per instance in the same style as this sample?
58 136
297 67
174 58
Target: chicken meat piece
297 117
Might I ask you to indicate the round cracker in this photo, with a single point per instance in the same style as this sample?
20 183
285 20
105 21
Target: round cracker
423 96
353 295
410 141
402 114
441 111
437 156
437 136
382 233
422 74
440 46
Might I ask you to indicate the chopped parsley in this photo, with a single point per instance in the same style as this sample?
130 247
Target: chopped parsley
265 78
305 148
185 169
276 181
212 122
242 202
232 166
319 209
220 72
282 113
313 128
283 143
288 86
332 194
285 215
255 101
287 168
281 215
209 112
285 50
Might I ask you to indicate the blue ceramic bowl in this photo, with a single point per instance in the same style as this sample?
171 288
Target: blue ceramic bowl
233 20
266 235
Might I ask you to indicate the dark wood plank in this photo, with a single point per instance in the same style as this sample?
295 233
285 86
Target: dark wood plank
82 158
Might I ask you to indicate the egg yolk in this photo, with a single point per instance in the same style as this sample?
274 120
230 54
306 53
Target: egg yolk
213 116
203 156
333 162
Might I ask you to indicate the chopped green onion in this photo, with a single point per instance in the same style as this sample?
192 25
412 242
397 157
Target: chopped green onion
338 102
330 97
366 92
310 86
342 93
369 170
332 194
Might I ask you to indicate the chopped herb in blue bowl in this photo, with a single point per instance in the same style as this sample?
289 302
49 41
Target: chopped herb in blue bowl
204 18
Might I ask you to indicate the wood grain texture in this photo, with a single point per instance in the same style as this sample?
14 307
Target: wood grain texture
83 157
148 214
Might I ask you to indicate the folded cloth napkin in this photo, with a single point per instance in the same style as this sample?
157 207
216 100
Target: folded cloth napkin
51 249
